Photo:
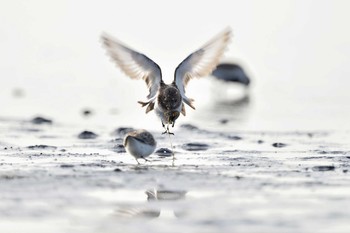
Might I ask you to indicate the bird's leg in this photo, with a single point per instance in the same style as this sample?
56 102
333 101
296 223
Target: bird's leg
164 128
146 160
173 124
168 131
138 163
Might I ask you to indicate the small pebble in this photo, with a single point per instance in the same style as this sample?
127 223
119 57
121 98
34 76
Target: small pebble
117 170
122 131
87 135
233 137
41 120
195 146
66 165
119 148
279 145
323 168
87 112
164 152
224 121
189 127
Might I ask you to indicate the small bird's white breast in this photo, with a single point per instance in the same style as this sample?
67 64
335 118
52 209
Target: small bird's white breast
138 149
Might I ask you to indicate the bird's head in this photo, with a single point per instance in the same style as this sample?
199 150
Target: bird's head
171 116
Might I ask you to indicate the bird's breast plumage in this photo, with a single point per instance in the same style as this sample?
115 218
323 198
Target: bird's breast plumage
169 97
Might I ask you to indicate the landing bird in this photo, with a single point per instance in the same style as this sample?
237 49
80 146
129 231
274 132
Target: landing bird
167 99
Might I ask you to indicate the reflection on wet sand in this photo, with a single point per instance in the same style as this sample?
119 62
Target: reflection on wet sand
158 203
226 110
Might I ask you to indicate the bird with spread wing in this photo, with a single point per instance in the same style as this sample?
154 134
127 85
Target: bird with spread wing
168 100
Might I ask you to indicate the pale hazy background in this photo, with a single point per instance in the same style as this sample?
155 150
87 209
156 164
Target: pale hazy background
296 52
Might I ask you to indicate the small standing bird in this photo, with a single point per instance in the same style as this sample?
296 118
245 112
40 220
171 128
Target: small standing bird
140 144
167 99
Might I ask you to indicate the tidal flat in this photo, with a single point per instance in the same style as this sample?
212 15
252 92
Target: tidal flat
52 179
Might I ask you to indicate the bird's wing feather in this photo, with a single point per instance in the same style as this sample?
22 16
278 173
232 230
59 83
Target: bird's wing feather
134 64
201 62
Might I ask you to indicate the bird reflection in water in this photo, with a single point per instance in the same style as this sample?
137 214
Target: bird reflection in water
159 205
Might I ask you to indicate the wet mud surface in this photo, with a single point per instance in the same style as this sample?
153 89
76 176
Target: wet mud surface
52 180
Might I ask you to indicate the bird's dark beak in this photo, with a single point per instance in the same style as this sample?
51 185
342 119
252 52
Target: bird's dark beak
172 116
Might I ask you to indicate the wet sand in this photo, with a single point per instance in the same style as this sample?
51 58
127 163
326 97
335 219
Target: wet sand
56 178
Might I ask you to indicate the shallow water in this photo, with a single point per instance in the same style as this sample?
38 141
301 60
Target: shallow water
219 181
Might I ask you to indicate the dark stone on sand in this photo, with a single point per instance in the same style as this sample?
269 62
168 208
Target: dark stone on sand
121 131
164 152
42 147
119 148
230 72
117 170
260 141
323 168
195 146
67 165
279 144
87 135
87 112
189 127
234 137
224 121
345 171
41 120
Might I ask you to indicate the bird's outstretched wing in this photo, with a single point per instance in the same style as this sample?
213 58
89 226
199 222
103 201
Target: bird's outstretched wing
201 62
135 65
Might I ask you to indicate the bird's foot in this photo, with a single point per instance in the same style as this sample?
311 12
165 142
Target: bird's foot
168 132
137 160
